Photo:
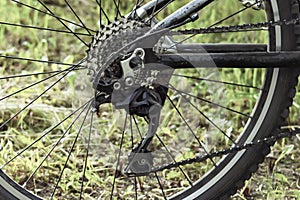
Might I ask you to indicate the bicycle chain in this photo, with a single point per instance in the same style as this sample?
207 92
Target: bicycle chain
235 149
236 28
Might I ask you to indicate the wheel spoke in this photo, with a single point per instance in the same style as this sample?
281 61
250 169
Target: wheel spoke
202 145
137 126
29 86
73 11
132 146
70 152
99 2
55 145
118 159
39 61
46 7
168 151
44 12
236 13
118 12
156 12
86 156
135 188
136 6
174 160
207 101
153 11
100 12
41 28
35 83
206 117
160 185
46 133
36 98
39 73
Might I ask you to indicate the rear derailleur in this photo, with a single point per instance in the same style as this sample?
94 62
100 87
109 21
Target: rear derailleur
139 92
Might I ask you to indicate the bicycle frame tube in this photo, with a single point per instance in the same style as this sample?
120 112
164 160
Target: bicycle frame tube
149 8
182 14
175 18
285 59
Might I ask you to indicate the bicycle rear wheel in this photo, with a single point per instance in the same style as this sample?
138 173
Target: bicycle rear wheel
54 146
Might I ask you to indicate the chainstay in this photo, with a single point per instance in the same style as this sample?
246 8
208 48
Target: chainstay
268 140
236 28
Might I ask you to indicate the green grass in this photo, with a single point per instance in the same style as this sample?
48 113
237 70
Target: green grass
277 178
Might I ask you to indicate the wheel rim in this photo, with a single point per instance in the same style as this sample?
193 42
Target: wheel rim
175 98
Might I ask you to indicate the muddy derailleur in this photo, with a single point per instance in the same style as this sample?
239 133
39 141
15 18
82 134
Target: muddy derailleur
140 92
